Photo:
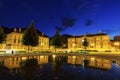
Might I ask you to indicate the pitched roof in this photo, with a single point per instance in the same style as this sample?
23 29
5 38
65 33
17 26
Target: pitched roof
10 30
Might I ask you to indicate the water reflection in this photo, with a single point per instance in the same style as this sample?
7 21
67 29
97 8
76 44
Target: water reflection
54 67
118 62
90 62
13 62
28 68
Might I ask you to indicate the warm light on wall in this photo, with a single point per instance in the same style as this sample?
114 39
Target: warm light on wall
116 43
41 56
42 43
92 44
24 58
74 57
92 59
74 44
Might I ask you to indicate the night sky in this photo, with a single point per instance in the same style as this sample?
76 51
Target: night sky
75 17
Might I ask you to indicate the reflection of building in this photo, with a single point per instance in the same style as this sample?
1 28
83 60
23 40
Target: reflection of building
13 42
75 60
118 62
91 62
14 62
98 42
100 63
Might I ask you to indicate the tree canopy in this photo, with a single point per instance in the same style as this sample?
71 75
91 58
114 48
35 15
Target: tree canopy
30 36
56 39
2 35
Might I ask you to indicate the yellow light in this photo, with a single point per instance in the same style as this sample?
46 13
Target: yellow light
92 44
41 56
116 43
74 44
74 57
53 56
24 58
92 59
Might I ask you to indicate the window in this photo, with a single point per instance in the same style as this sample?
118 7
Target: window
18 40
14 40
15 37
1 47
18 37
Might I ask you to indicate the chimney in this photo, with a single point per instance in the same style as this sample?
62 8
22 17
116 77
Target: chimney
19 29
15 30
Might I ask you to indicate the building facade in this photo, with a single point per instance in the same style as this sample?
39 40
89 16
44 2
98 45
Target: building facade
99 42
13 43
96 42
116 44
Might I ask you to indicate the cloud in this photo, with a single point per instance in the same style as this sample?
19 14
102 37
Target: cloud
77 9
68 21
88 22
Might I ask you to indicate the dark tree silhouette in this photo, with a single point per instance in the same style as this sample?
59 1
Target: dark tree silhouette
56 40
2 35
30 36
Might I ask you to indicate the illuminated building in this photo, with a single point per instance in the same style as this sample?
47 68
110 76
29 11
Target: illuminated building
99 42
13 43
116 44
96 42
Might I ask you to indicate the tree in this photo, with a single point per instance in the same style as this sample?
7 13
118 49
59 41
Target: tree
56 40
85 43
30 36
2 35
65 40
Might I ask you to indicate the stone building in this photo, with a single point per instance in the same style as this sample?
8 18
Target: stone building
96 42
13 42
115 44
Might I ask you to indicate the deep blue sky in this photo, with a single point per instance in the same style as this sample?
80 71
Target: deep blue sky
75 17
